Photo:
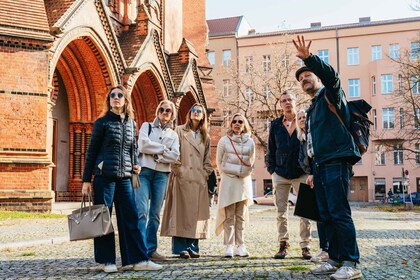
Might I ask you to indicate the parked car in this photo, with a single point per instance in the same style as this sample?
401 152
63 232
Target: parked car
415 198
268 199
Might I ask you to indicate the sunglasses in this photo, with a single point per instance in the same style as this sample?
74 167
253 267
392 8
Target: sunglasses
193 110
237 121
113 95
167 110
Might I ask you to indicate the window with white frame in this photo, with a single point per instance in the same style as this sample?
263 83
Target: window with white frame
414 50
376 53
285 60
388 118
417 147
386 84
352 56
415 81
249 94
267 91
266 63
398 154
379 155
323 55
354 87
417 118
226 88
227 57
248 64
401 118
373 79
211 56
394 50
375 121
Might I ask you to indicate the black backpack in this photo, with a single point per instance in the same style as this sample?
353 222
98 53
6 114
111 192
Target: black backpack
359 122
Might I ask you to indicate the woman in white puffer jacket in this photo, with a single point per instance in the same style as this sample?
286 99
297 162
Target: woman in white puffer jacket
235 160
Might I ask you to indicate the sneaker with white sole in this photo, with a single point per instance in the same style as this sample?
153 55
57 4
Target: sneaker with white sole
110 267
229 251
147 265
346 273
241 251
320 256
325 268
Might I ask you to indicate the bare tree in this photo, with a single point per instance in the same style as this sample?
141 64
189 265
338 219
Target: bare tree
256 83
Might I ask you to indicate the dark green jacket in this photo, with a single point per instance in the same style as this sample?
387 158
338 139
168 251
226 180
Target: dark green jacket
331 141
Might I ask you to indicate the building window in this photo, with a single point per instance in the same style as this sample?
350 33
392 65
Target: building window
248 64
398 154
379 155
352 56
211 57
354 88
226 88
376 53
394 51
266 63
323 55
267 91
380 188
400 84
397 185
417 147
227 57
373 79
386 84
417 118
414 50
374 120
401 118
415 80
387 118
249 94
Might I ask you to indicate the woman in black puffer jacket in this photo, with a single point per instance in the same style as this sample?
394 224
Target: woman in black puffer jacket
109 159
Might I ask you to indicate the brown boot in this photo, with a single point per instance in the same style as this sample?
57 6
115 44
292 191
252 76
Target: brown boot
282 253
306 253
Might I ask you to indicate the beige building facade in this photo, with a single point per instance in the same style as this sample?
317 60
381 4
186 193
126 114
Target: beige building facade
361 53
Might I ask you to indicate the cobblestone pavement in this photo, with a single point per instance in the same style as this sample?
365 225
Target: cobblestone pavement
389 244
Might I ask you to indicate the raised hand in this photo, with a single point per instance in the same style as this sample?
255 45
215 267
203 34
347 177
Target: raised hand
301 47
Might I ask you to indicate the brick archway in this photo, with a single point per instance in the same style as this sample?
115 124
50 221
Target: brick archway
185 104
82 77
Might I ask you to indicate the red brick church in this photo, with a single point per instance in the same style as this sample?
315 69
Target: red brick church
59 58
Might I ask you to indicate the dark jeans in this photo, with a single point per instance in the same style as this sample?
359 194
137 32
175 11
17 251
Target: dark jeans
132 245
180 244
323 241
332 182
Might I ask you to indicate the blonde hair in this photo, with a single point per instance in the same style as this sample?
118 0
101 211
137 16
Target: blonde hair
128 106
300 132
247 127
202 125
171 104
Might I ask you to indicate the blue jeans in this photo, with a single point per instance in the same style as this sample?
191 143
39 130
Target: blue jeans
132 245
332 183
149 200
180 244
323 241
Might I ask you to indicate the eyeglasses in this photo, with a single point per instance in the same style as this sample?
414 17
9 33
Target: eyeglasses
114 94
286 100
167 110
237 121
193 110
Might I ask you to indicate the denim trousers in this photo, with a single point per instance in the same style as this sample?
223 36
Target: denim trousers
132 245
149 200
181 244
323 241
332 183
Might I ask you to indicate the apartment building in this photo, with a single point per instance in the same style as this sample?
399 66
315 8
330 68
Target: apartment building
362 54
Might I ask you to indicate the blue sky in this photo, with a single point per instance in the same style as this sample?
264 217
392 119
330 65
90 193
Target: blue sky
272 15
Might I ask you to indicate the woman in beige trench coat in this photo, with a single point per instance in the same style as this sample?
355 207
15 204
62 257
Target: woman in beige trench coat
186 211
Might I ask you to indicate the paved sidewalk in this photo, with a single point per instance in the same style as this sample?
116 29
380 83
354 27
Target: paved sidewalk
389 244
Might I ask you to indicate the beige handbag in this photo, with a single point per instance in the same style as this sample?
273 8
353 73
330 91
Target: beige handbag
89 221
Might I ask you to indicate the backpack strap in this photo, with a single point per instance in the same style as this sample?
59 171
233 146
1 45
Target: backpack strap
334 110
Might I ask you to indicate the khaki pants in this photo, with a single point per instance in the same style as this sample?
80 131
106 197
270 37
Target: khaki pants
235 223
281 187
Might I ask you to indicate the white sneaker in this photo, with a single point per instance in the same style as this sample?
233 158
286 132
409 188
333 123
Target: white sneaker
147 265
346 273
321 256
241 251
229 251
110 267
325 268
